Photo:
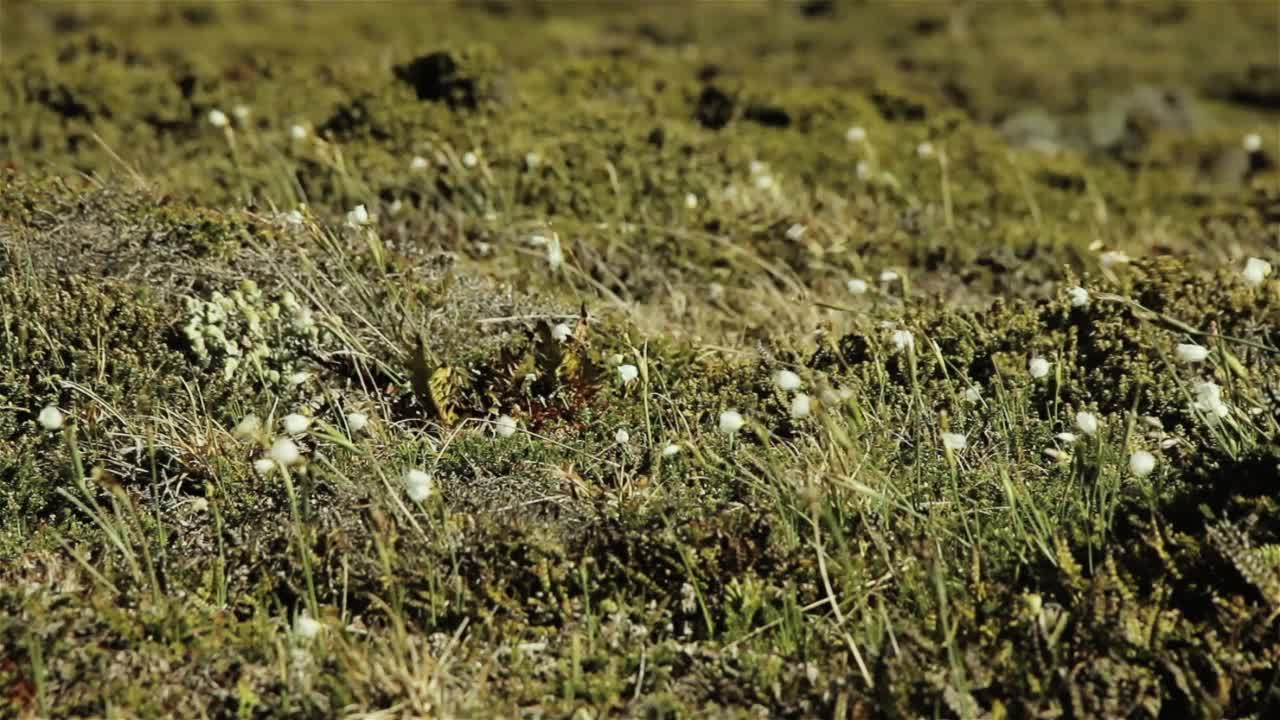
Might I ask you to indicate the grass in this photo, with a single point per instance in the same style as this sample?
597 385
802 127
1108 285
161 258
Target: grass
857 560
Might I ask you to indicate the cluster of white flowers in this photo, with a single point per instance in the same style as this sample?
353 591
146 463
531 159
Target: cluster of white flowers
1079 297
903 340
218 119
1038 367
1209 401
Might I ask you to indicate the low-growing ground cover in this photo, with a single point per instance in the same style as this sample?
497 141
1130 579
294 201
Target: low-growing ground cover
753 359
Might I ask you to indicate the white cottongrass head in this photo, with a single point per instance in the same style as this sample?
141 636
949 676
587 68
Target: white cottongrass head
690 201
1112 258
787 380
1038 367
241 112
298 132
731 421
560 332
296 424
863 170
555 253
418 163
954 441
1079 297
264 465
217 118
299 378
285 452
1256 271
856 134
1252 142
50 418
248 426
888 276
358 217
418 484
1209 401
670 450
628 373
505 426
622 437
925 149
856 286
1190 352
795 232
903 340
1086 422
357 421
973 394
470 159
306 627
1141 463
1066 437
801 406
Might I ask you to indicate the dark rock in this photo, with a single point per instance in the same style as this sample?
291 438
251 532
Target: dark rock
768 115
435 78
715 109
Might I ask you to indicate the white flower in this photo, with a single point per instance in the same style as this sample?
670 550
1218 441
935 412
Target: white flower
888 276
357 421
532 159
306 627
787 380
505 426
800 406
1066 437
50 418
264 465
758 167
715 291
418 485
1209 400
1087 422
560 332
903 340
925 149
795 232
856 286
469 159
1057 455
863 170
1256 271
285 452
622 436
555 255
1141 463
296 424
298 132
731 422
217 118
358 216
1079 296
1252 142
855 134
418 163
249 426
396 206
294 217
628 373
1111 258
690 201
241 112
1190 352
973 394
1038 367
764 182
954 441
299 378
670 449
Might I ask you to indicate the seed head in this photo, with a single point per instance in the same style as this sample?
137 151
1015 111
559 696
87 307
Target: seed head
1038 367
357 421
800 406
1190 352
857 286
1079 296
505 426
787 380
622 436
1256 271
731 422
217 118
285 452
903 340
50 418
418 485
1141 463
560 332
305 627
628 373
855 134
1087 422
954 441
296 424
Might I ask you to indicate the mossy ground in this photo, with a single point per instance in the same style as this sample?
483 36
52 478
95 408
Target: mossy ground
162 278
